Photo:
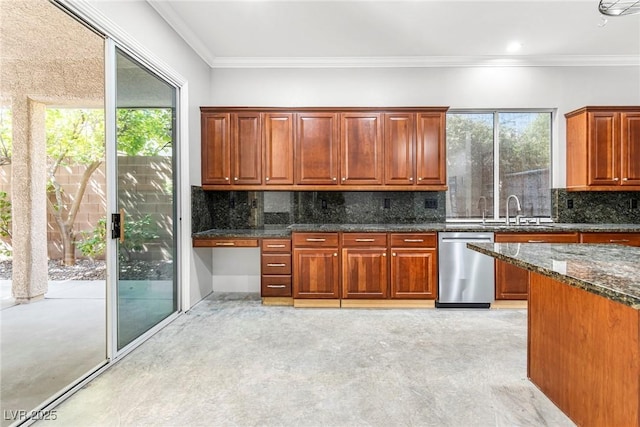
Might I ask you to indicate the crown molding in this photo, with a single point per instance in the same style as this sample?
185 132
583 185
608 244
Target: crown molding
427 61
168 13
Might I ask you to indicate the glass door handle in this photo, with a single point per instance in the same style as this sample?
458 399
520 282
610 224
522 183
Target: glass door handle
117 226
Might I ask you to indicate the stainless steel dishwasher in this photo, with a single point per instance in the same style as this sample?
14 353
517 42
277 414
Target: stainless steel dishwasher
466 277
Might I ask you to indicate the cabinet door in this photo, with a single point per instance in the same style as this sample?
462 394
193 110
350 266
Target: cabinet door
361 148
629 239
630 148
247 153
512 283
364 273
603 148
316 273
216 148
414 273
399 148
278 149
316 149
430 149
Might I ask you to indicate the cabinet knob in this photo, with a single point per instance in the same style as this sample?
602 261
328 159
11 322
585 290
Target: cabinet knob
395 254
266 179
344 179
335 179
235 178
335 254
616 179
384 254
226 178
411 179
420 179
625 179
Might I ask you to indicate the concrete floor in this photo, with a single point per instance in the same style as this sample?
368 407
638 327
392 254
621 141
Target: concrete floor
232 362
48 344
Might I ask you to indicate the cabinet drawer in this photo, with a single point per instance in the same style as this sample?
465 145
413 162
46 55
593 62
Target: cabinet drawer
225 243
536 238
414 240
364 239
630 239
276 264
315 240
276 245
276 286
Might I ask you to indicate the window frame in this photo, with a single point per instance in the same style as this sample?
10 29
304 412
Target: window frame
496 155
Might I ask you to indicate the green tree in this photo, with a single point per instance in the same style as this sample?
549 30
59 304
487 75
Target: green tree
76 136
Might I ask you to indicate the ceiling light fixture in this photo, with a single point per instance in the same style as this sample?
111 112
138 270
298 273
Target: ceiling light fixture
515 46
619 7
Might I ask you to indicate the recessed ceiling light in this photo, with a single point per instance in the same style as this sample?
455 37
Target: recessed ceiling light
514 47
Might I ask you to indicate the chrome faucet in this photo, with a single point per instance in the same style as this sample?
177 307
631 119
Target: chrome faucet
518 208
483 200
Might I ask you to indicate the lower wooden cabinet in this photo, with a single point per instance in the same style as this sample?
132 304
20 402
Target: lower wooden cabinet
370 265
316 265
414 265
628 239
512 283
275 268
364 265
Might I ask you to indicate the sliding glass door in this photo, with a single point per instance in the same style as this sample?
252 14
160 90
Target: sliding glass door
144 222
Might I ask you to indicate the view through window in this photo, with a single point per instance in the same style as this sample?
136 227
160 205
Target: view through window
494 154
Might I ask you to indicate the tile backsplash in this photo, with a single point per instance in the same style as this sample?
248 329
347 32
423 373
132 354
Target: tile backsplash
255 209
595 207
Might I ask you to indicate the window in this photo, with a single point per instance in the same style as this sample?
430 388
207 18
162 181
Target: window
494 154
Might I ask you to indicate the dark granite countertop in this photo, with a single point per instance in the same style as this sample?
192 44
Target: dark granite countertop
612 271
256 233
285 231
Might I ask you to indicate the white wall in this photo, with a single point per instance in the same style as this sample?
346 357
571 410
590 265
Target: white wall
561 88
142 24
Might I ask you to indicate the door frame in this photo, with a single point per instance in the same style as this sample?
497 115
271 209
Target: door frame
114 37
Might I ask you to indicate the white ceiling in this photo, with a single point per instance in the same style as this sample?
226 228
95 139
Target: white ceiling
333 33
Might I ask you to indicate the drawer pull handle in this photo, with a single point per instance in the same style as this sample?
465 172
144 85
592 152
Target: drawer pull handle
275 246
414 240
536 241
618 240
276 265
365 240
625 179
225 244
312 239
277 286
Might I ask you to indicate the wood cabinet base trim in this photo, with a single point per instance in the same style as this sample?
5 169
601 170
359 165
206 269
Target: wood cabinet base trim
316 303
390 303
605 188
501 304
286 301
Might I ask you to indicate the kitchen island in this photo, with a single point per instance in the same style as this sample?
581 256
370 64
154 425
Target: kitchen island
583 326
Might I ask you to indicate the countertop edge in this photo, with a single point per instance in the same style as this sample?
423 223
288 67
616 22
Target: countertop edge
593 288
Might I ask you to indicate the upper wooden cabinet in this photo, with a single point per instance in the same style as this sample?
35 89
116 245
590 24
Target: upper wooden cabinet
216 148
231 149
361 149
415 150
603 148
247 148
324 148
278 148
317 149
